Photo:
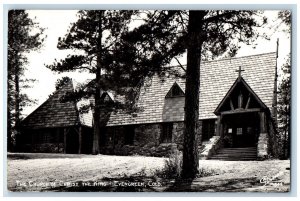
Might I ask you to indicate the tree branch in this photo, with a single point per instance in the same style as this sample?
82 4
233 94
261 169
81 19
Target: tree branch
180 65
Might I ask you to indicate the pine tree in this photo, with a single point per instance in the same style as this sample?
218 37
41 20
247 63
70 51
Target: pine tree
95 37
214 33
205 34
24 35
284 95
284 110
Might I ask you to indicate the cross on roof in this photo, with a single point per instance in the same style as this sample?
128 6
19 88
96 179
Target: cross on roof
240 71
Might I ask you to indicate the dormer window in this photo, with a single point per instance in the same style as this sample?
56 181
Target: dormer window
106 98
175 91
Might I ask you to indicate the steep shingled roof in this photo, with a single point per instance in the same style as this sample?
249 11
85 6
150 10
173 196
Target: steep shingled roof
54 113
216 78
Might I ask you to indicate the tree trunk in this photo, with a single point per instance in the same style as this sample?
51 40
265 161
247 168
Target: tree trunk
286 134
9 129
96 137
17 114
190 146
10 109
17 100
97 114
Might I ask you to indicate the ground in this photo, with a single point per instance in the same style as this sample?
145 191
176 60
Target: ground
59 172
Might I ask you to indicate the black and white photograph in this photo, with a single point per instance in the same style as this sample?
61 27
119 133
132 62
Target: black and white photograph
151 100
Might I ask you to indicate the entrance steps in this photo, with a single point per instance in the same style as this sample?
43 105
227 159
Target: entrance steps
236 154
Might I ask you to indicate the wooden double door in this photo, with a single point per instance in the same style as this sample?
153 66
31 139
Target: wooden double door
242 129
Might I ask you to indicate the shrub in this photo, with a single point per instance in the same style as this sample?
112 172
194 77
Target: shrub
172 167
206 172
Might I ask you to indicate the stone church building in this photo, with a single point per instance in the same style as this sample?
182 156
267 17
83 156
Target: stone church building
237 109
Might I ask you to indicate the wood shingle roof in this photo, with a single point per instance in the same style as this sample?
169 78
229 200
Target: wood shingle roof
216 78
55 113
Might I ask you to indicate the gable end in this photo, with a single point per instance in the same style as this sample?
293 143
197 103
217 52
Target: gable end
175 91
241 100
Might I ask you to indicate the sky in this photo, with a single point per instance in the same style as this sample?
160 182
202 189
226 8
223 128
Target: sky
57 23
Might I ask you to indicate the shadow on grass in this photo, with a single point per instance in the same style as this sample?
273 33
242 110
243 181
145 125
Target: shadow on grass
27 156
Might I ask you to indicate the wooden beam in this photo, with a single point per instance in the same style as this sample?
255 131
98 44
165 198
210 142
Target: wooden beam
76 130
224 127
263 122
248 102
231 104
221 129
215 127
57 139
237 111
65 140
240 100
218 133
79 139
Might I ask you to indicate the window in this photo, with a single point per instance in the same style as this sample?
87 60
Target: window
229 130
208 129
166 133
129 135
239 131
175 91
44 136
106 98
250 130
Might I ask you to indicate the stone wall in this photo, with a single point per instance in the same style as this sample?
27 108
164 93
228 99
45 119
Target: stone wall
262 146
274 142
268 142
146 140
210 147
177 137
45 148
30 140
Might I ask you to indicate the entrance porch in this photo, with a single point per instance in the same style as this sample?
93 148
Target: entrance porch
240 129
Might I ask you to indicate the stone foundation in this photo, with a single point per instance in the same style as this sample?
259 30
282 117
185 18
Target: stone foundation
262 146
47 148
146 140
210 147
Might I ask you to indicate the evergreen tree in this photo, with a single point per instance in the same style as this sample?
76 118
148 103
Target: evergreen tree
284 95
284 110
214 33
94 37
204 34
285 16
24 35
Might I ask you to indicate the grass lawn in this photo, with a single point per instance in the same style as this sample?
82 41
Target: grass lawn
59 172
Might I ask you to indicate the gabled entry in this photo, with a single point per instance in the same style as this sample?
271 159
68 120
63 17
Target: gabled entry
240 97
241 116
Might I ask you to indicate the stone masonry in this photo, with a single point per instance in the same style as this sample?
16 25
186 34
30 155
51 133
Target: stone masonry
146 140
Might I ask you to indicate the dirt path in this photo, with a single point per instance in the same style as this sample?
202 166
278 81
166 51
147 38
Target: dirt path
37 172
